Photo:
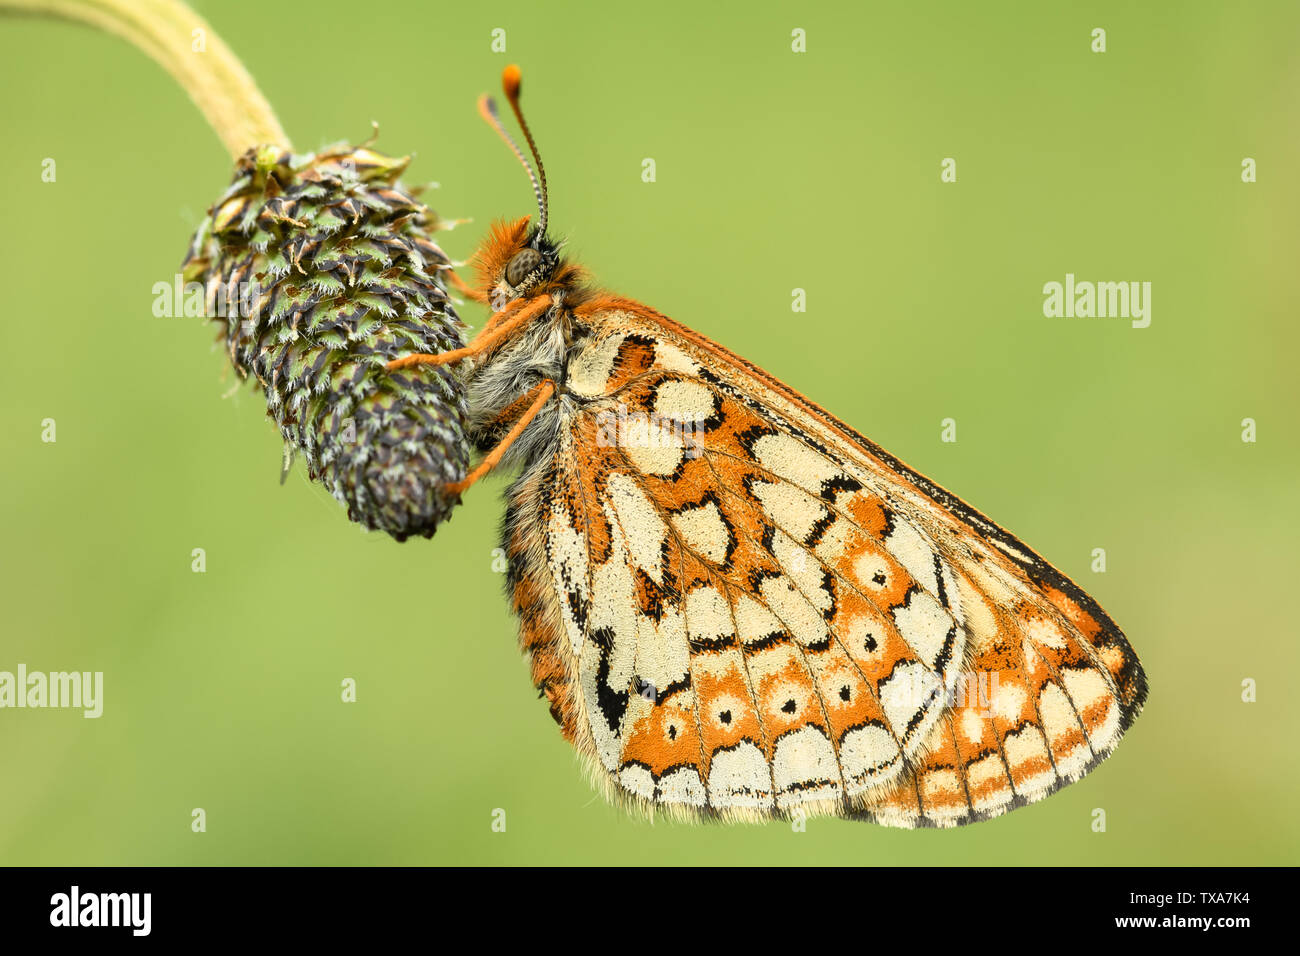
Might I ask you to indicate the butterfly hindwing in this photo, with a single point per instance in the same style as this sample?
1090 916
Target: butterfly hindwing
739 607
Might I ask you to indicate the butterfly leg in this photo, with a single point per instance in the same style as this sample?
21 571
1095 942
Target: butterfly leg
494 321
540 394
499 327
465 289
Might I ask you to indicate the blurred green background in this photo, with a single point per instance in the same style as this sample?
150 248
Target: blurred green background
775 170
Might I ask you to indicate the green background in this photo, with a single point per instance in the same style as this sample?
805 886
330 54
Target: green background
776 170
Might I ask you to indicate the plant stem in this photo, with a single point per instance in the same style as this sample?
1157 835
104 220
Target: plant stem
165 30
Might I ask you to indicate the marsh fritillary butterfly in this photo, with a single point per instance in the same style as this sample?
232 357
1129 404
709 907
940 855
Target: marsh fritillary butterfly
739 607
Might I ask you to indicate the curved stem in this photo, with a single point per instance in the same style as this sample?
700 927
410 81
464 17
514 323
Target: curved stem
165 30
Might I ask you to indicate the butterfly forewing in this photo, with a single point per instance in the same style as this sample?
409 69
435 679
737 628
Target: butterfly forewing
739 607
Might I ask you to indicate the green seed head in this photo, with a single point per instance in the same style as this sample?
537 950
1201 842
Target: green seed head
322 270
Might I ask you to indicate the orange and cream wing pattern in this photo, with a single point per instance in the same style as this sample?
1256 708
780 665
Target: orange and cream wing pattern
738 607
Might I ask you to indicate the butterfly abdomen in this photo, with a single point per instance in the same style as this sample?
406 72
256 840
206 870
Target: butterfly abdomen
531 594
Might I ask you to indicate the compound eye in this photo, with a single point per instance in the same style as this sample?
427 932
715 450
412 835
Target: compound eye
522 264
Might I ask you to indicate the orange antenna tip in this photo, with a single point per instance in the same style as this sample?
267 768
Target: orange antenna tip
511 78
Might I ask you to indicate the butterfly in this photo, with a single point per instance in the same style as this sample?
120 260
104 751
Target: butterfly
737 606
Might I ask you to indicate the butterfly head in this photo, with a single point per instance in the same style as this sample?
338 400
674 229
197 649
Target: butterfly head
519 259
516 261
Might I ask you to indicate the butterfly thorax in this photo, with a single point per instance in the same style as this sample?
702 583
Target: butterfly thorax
520 270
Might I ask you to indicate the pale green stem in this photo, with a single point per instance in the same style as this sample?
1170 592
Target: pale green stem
166 31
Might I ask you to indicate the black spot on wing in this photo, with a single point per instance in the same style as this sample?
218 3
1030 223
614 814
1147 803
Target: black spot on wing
612 703
831 588
759 575
768 641
750 436
887 514
814 536
580 607
704 645
833 486
945 653
652 597
635 356
676 687
688 425
938 576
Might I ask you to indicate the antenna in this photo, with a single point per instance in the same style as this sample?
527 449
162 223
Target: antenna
511 81
488 110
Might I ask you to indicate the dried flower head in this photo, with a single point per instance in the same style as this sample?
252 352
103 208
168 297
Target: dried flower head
321 269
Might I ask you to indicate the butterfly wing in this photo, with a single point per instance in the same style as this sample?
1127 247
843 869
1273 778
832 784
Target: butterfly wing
739 607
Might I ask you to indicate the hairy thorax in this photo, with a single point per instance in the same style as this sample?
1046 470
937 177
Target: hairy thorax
501 381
